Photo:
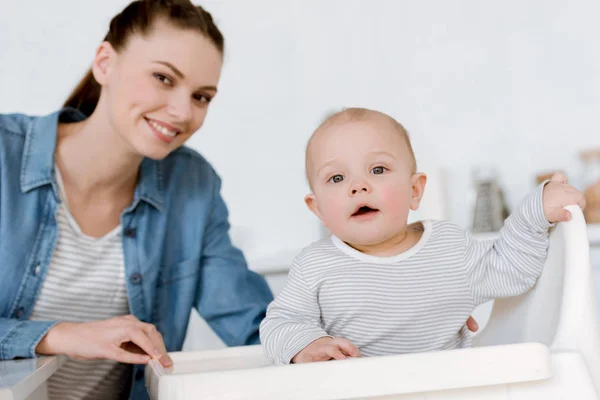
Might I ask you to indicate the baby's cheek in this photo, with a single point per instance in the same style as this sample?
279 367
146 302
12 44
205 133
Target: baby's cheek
396 200
333 212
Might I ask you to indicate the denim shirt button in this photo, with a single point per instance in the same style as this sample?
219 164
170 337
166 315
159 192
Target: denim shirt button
19 313
135 278
37 269
130 232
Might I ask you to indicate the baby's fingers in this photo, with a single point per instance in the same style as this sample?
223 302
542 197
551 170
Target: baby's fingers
347 347
559 177
333 351
563 215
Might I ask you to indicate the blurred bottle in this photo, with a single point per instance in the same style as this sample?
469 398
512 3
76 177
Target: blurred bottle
590 182
489 209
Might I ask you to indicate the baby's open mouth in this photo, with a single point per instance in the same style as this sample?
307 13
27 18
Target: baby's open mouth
364 210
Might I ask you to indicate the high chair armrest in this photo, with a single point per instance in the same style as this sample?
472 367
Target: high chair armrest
245 373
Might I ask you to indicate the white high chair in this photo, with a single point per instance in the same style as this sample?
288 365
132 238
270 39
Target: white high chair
544 344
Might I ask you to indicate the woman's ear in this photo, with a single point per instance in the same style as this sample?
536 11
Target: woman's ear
103 62
418 182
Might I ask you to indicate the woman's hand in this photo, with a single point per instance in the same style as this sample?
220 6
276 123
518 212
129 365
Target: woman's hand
472 324
124 339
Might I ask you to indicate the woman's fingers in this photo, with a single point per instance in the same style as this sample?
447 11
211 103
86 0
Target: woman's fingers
472 325
118 354
158 342
139 337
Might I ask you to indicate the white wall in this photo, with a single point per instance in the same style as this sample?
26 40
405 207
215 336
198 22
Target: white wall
514 83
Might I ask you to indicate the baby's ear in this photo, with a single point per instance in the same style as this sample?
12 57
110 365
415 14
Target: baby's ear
418 182
311 203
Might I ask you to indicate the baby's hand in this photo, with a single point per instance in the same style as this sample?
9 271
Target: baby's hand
326 348
557 194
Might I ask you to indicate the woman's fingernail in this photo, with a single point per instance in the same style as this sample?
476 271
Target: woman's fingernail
166 360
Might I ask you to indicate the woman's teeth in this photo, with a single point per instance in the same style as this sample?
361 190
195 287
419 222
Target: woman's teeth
162 129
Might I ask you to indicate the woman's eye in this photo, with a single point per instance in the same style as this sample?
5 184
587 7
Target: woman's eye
336 179
378 170
164 79
202 98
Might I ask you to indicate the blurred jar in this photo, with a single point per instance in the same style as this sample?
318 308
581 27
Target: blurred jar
489 208
590 181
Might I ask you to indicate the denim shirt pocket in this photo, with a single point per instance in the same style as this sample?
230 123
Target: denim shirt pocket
175 296
182 270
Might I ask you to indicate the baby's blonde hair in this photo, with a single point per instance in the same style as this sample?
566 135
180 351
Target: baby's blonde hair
359 114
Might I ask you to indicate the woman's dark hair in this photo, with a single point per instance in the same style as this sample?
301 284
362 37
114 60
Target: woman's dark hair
138 18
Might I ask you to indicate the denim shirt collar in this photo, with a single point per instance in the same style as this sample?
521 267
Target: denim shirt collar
37 168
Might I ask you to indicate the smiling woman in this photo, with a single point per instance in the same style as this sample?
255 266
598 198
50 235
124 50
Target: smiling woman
110 229
160 81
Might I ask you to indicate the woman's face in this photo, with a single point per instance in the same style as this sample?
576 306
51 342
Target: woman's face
158 88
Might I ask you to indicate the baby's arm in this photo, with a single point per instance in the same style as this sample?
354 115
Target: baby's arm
293 326
511 264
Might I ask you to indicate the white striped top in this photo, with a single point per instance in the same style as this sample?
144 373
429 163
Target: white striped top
85 282
416 301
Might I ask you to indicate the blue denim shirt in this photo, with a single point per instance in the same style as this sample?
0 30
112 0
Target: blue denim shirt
176 245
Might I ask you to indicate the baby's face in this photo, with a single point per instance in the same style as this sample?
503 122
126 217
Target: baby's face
362 180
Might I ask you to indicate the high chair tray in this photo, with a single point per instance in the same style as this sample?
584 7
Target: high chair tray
244 373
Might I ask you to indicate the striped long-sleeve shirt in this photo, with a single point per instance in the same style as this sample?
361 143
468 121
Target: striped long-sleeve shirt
415 301
85 282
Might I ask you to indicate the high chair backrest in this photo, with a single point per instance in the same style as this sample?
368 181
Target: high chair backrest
560 311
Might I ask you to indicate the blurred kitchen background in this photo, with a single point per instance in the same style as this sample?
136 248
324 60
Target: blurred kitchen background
493 94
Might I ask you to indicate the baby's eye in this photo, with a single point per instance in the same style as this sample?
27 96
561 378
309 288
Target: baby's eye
378 170
336 179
